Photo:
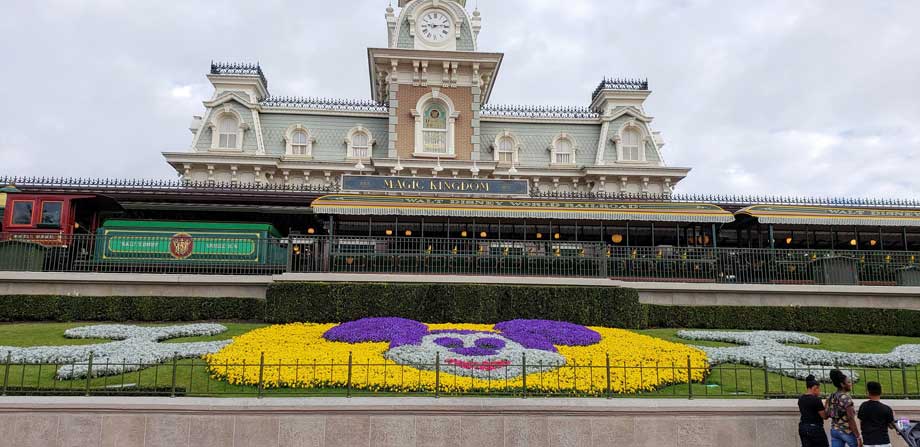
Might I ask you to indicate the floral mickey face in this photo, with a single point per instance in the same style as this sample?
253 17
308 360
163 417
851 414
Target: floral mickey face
479 354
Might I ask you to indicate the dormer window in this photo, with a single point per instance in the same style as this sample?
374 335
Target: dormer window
359 142
228 128
506 150
299 143
630 142
631 145
506 147
563 150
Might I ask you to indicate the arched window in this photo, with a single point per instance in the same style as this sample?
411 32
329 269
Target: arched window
506 150
299 143
434 129
563 151
228 129
360 145
359 142
631 144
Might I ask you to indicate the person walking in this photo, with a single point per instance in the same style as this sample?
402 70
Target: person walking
812 415
875 418
840 408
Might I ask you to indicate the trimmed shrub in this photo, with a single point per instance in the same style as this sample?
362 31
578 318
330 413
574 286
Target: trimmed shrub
802 319
452 303
89 308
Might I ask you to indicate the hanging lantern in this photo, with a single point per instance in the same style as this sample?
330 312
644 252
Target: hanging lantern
311 230
483 235
853 242
789 240
617 238
389 232
539 235
873 242
556 236
408 233
463 233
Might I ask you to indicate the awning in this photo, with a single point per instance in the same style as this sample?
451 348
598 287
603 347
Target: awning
523 209
820 215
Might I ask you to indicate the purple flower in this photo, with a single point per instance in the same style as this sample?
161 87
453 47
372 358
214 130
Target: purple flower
544 334
482 347
397 331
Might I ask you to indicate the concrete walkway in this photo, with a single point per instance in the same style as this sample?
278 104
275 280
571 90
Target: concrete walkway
400 422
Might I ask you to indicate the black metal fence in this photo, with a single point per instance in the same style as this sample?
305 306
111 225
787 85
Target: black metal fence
252 255
195 377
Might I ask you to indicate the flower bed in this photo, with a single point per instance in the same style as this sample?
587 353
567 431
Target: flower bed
766 349
395 354
135 348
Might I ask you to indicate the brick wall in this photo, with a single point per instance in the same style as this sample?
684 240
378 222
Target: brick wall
405 130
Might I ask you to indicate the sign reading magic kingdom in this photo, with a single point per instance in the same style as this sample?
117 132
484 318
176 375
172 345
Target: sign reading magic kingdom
433 185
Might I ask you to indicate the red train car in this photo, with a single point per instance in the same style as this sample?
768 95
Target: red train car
52 220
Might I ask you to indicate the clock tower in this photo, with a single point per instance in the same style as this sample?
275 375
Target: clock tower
434 80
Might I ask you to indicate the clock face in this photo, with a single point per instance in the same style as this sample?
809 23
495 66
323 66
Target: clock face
435 26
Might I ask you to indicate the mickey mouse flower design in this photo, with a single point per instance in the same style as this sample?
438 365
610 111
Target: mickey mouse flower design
480 354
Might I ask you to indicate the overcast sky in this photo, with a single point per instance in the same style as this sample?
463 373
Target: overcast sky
782 97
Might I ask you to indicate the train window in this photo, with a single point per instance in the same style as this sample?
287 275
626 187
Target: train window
51 215
22 213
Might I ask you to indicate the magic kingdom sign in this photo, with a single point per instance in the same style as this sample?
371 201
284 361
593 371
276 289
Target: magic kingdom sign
433 185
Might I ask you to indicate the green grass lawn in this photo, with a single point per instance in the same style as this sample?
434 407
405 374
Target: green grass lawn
191 376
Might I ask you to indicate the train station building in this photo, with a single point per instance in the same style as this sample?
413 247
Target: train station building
427 174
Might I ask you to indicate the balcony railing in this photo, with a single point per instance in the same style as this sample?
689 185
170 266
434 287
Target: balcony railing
179 253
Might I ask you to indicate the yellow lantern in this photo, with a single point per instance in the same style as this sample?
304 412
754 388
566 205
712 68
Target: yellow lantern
617 238
311 230
463 233
539 235
789 240
556 236
873 242
853 242
483 235
389 232
408 233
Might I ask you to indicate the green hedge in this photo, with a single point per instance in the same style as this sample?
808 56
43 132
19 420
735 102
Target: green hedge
802 319
453 303
458 303
88 308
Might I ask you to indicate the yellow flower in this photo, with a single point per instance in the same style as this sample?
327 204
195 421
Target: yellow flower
297 356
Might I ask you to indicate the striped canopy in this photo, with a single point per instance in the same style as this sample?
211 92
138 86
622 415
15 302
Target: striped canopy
363 205
822 215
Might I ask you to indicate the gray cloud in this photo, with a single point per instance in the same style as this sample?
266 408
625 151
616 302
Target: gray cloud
783 97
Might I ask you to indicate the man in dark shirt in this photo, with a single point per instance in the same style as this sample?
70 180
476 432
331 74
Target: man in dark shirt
875 418
813 414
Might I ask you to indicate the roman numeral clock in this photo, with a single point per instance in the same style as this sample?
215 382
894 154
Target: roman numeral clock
435 26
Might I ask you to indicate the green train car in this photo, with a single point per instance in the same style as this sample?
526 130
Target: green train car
227 246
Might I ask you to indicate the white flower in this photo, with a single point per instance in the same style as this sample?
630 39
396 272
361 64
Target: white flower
135 348
766 349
